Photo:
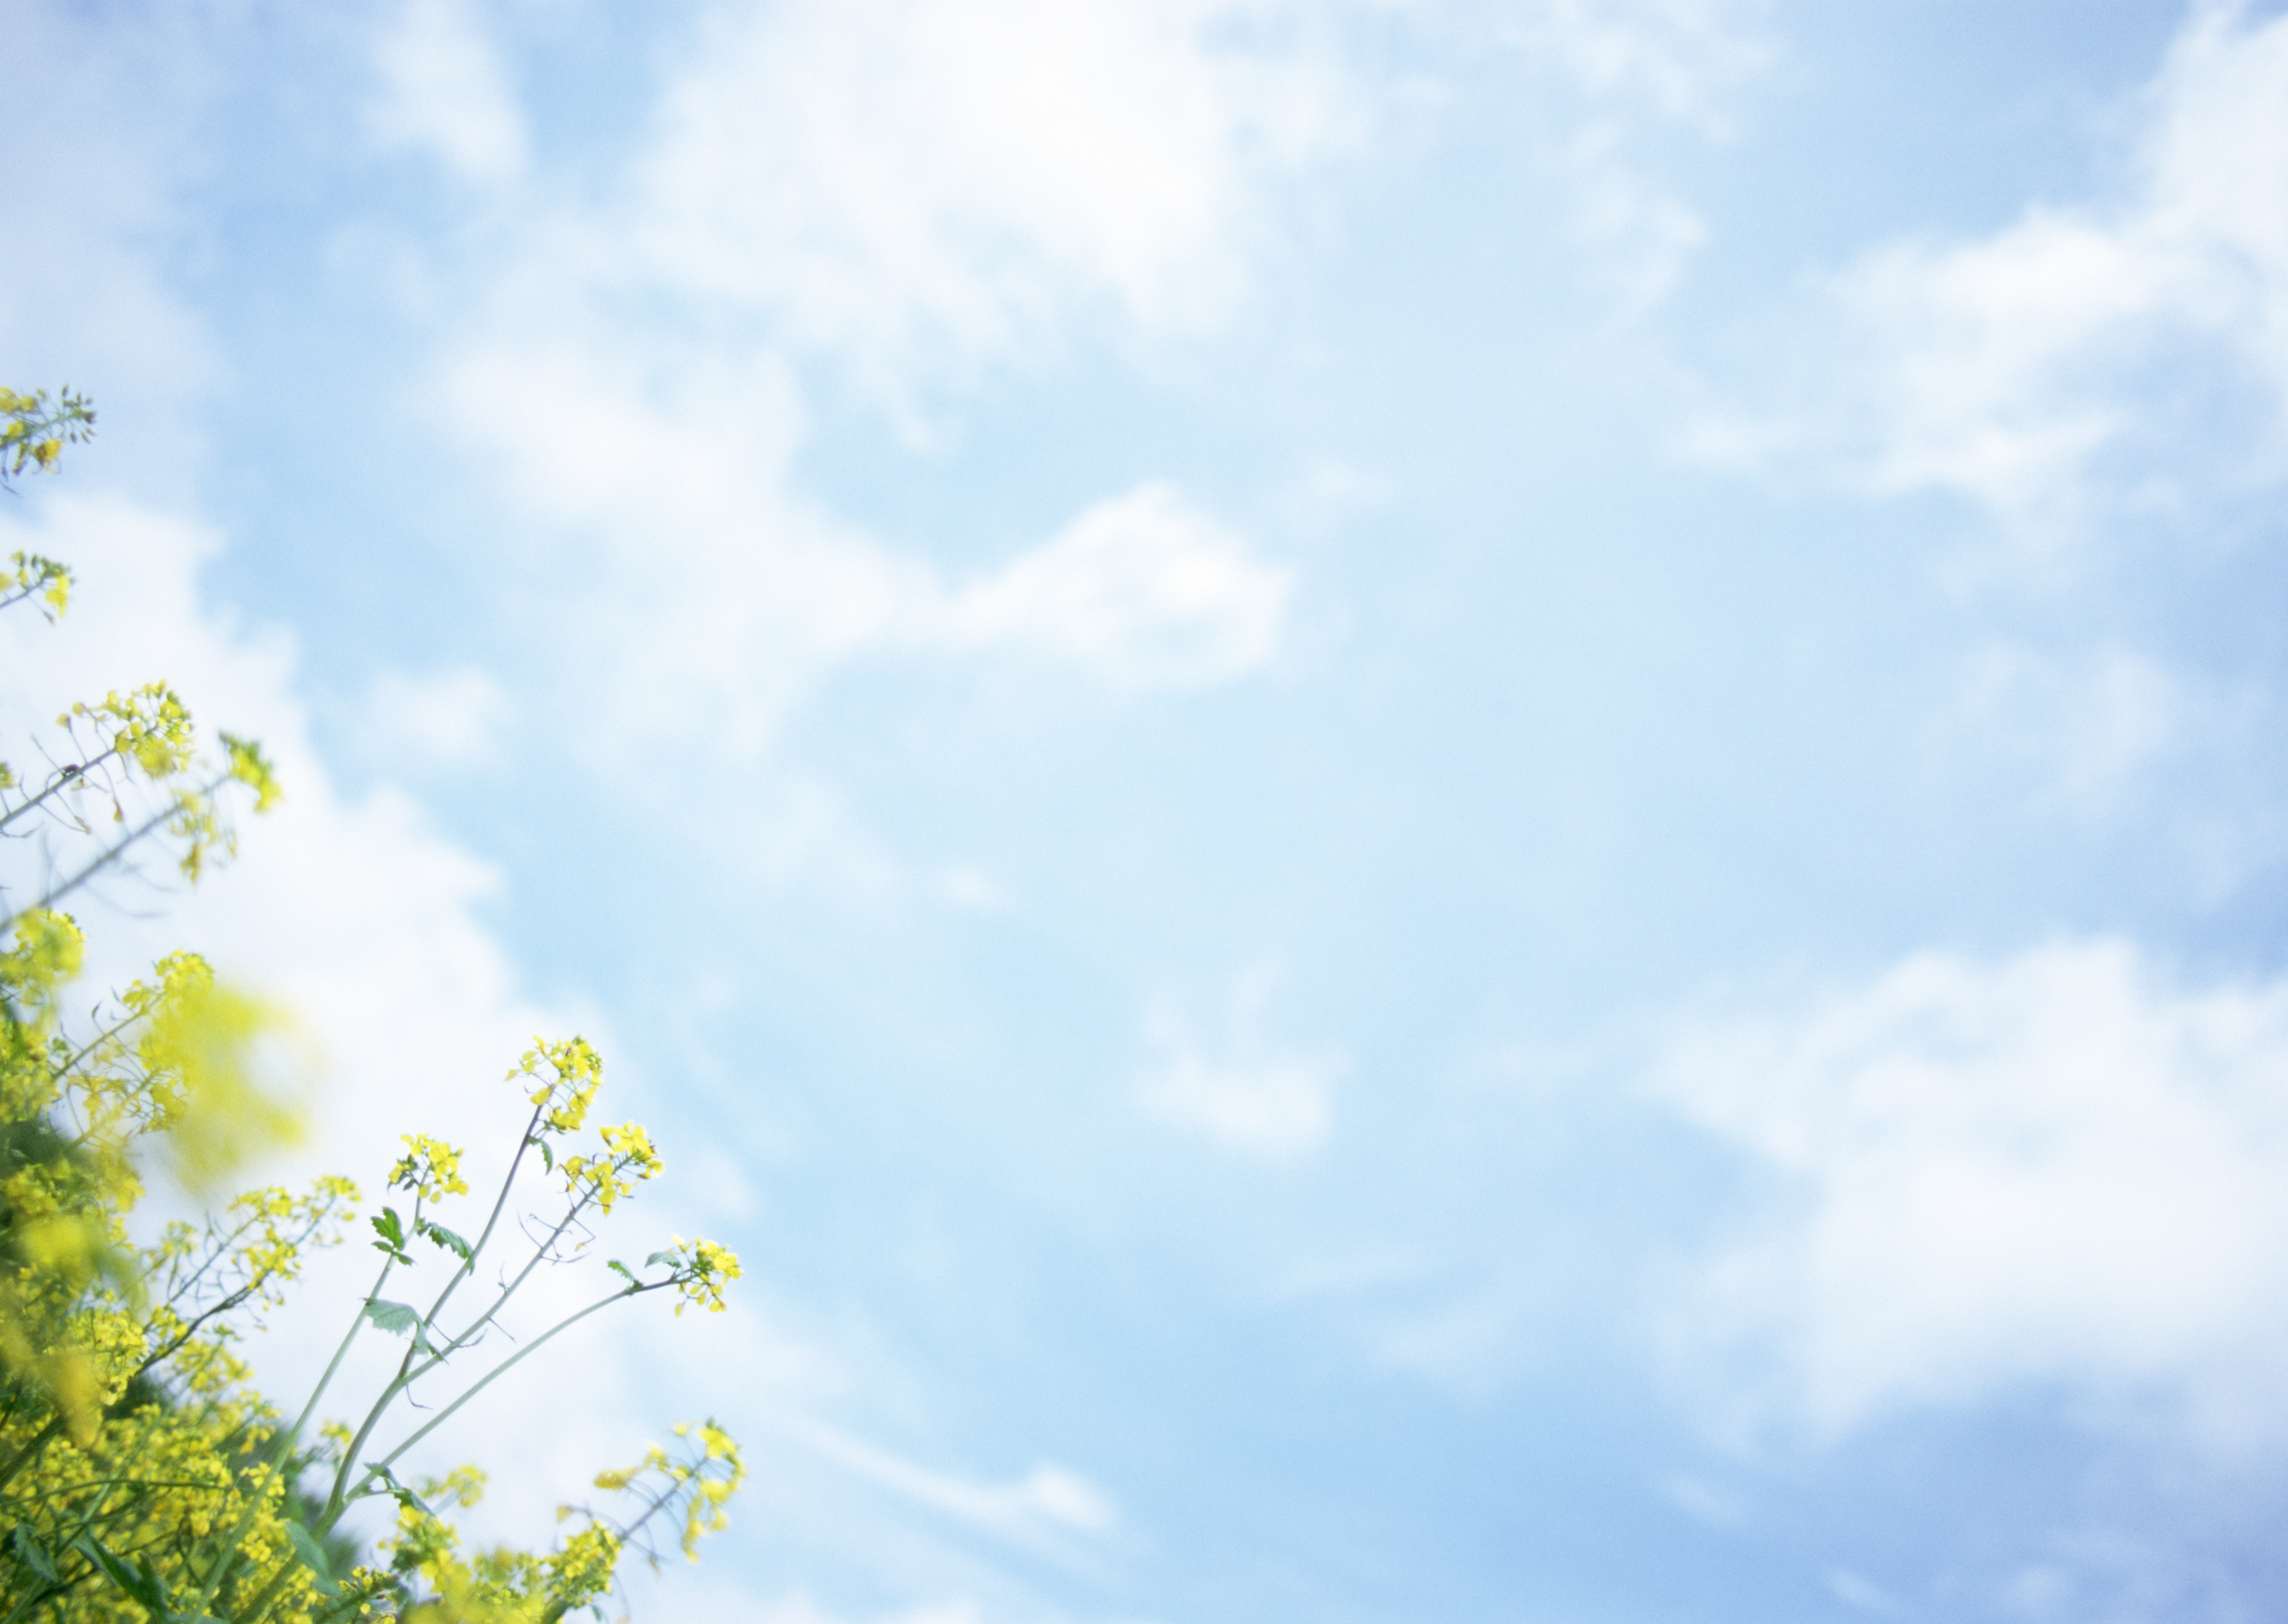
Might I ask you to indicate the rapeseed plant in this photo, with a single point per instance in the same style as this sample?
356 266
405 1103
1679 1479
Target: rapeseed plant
142 1476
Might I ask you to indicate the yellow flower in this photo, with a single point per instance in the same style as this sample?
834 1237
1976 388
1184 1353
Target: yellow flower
431 1167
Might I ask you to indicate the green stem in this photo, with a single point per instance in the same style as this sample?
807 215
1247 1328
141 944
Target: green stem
33 1448
118 850
468 1266
501 1369
75 775
214 1581
469 1332
492 1221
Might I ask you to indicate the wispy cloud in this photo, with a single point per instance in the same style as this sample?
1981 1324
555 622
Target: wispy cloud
1628 73
2029 369
453 718
1144 590
1274 1108
1047 1499
443 92
1247 1097
1684 59
799 1609
871 189
919 182
2060 1168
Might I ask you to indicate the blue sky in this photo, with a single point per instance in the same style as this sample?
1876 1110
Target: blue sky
1419 809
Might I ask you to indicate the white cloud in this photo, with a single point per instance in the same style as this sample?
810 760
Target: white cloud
1703 1501
799 1609
764 596
1468 1345
913 181
906 185
1626 75
2010 369
1144 590
1684 59
2058 1170
1249 1101
1645 237
968 886
1047 1499
94 305
446 718
441 92
1864 1594
917 189
1274 1108
2093 727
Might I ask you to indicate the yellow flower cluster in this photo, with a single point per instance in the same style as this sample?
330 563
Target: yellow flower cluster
34 970
431 1167
707 1511
574 1072
35 434
198 1049
250 766
149 725
464 1486
34 575
628 1160
437 1584
703 1268
702 1482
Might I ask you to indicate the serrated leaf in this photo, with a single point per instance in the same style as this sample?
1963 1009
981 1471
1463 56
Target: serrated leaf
313 1557
669 1258
145 1586
31 1553
391 1228
395 1318
621 1269
445 1237
109 1565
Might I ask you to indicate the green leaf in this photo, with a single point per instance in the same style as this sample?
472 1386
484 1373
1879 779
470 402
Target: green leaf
145 1586
313 1557
670 1258
391 1228
445 1237
111 1566
397 1319
31 1553
402 1495
624 1272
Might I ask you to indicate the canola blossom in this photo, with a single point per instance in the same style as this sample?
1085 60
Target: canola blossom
142 1475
